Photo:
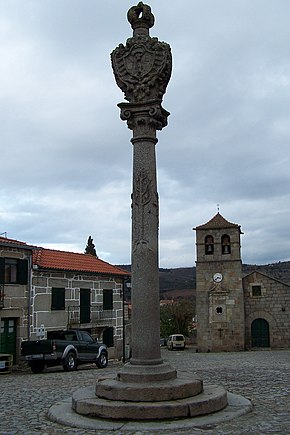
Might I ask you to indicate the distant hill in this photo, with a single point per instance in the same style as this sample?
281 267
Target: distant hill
181 282
182 277
280 270
176 283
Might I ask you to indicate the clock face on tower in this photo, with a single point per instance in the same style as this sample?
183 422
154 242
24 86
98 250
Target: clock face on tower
217 277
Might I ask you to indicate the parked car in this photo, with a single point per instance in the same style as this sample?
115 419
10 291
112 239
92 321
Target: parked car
176 341
162 341
67 348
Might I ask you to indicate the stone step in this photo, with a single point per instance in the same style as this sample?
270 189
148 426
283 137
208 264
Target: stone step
212 399
179 388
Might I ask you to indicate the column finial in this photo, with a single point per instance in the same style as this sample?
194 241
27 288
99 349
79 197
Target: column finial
142 68
141 19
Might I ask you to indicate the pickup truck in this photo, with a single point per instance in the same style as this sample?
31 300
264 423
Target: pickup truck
67 348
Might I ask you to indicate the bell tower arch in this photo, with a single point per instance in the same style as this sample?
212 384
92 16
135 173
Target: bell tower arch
219 290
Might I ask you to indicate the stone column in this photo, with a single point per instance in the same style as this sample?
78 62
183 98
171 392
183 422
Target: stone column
142 69
145 213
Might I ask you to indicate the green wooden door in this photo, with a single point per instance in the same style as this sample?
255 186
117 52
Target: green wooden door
260 333
8 337
85 305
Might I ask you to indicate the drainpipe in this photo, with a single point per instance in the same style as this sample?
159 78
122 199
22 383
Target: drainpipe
29 294
126 283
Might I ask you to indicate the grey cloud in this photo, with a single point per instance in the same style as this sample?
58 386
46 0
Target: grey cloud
68 157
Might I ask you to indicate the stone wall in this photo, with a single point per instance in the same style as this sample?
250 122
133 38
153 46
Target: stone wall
41 313
29 305
220 308
272 305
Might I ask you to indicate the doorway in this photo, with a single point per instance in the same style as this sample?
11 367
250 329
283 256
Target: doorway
108 337
8 337
260 333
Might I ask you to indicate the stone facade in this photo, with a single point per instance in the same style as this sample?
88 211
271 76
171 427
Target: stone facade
267 302
15 262
235 312
99 320
35 299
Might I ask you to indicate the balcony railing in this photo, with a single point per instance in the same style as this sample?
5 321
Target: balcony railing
97 316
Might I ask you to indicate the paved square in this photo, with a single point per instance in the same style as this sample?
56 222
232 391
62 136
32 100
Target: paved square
262 376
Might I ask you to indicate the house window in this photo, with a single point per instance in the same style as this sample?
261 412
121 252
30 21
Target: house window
57 298
13 271
256 290
10 271
107 299
226 244
209 246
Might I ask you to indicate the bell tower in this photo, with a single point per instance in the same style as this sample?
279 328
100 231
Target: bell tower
219 290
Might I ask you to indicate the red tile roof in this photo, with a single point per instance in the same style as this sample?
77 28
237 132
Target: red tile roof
218 221
62 260
13 242
72 261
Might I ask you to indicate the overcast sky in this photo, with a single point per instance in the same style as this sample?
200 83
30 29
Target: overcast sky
66 157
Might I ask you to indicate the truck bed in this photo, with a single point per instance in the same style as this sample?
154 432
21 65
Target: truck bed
36 347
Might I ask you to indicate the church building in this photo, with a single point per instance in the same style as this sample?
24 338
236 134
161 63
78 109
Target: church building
235 312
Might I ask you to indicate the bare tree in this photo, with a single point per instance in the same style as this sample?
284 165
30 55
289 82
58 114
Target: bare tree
176 318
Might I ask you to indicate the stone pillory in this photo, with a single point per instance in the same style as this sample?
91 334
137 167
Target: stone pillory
146 388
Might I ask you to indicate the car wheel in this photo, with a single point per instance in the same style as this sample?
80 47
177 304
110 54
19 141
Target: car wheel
70 362
37 367
102 361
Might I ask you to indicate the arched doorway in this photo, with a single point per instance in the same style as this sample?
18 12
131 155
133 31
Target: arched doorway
260 333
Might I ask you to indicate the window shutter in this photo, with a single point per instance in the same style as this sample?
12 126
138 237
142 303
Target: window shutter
107 299
22 272
2 270
57 298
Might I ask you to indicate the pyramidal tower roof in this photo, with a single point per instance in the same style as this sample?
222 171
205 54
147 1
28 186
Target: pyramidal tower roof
217 222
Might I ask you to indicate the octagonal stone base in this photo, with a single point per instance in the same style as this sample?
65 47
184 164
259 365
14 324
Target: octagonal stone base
213 398
178 388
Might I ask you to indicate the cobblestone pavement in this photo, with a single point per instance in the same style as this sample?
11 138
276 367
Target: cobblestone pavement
263 377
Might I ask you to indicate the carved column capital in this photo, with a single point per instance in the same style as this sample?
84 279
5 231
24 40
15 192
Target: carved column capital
144 119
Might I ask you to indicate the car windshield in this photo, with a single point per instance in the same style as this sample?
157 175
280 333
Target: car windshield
178 338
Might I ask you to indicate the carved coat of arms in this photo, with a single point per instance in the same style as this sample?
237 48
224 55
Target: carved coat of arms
142 68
